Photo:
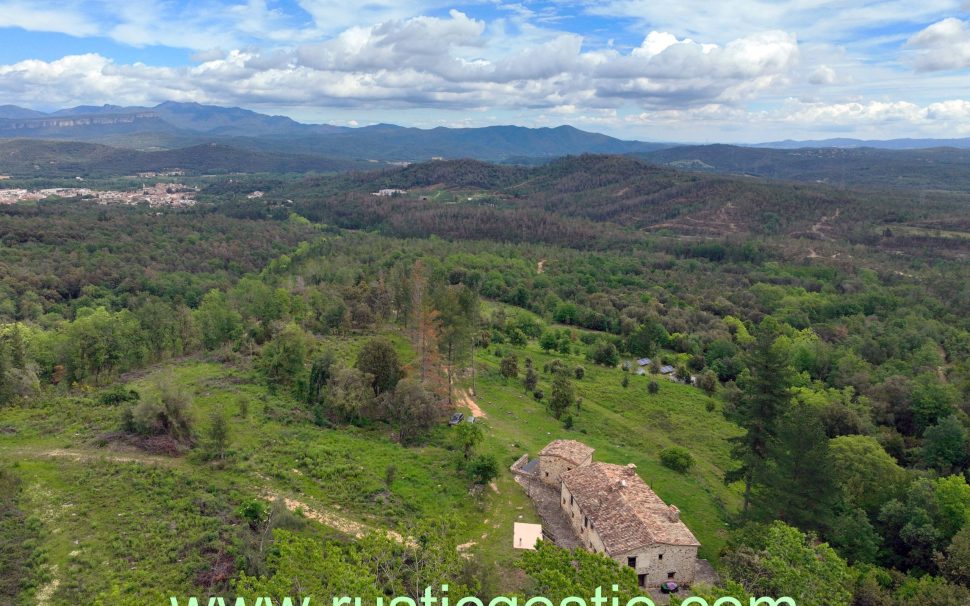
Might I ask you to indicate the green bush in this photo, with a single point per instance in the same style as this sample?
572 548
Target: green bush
677 458
118 395
483 469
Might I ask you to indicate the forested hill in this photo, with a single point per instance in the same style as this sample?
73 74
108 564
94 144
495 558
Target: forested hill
33 158
943 168
621 195
241 389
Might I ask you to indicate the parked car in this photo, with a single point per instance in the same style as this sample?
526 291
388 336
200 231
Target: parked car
669 587
456 418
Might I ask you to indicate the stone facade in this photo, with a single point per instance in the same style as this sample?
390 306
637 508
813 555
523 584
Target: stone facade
615 513
560 457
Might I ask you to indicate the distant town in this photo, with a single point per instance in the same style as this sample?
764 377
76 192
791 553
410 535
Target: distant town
155 196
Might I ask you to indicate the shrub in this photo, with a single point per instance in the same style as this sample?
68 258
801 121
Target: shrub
255 512
168 415
531 378
580 372
677 458
537 394
510 366
653 387
707 381
605 354
483 469
119 395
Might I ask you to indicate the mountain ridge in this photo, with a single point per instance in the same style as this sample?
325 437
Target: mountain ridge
173 125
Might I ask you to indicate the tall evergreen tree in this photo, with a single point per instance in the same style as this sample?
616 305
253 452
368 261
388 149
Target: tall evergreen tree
458 307
321 370
798 483
765 398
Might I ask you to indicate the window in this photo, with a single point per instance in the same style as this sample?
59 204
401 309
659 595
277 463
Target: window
632 562
660 557
547 474
585 522
670 575
570 500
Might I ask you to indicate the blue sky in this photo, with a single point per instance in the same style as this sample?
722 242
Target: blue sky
740 71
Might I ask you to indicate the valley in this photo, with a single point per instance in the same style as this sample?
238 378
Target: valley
250 393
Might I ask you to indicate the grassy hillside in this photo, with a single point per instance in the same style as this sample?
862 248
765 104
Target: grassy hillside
625 425
114 521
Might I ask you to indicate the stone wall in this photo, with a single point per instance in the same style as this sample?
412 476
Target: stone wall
681 560
552 467
678 559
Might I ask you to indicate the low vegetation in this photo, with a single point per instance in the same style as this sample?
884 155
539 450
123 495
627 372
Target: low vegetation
199 400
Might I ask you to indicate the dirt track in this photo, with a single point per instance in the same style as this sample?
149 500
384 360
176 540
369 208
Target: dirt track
465 399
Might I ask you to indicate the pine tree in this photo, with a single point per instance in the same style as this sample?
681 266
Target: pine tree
321 371
798 484
765 398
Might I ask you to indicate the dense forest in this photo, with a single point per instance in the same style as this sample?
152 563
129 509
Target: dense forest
937 168
315 341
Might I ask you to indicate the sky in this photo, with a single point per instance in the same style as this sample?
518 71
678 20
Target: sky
659 70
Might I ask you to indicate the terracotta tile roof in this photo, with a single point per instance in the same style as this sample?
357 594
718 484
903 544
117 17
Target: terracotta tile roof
624 511
571 450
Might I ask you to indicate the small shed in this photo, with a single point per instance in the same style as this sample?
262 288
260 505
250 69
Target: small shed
526 535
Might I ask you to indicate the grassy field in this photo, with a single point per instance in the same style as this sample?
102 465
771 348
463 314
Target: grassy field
124 526
130 526
625 425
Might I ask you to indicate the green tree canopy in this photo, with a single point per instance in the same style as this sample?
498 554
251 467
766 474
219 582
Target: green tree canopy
865 473
378 358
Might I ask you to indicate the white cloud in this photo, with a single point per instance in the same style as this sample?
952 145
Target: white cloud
62 19
333 16
798 119
721 66
943 45
822 75
431 62
815 20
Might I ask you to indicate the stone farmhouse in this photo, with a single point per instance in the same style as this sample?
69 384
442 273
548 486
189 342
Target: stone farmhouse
612 511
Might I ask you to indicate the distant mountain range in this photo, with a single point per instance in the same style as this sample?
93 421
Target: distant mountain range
206 138
173 125
874 143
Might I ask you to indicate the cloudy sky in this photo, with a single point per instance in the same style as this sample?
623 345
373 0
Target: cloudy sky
673 70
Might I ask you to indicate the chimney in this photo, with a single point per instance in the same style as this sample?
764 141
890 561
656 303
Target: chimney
631 469
673 513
